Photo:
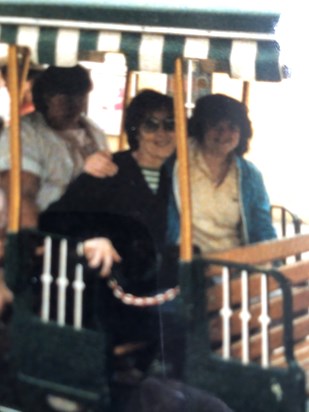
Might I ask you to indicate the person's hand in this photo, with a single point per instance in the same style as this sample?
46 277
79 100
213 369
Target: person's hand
6 296
100 252
100 164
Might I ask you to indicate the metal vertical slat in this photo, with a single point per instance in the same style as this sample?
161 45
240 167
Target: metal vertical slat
62 282
264 320
189 105
245 316
78 287
46 279
226 314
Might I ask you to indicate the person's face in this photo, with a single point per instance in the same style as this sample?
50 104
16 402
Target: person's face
64 110
156 137
222 138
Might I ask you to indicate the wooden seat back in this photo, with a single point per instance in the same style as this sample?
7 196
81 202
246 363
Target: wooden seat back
248 297
247 319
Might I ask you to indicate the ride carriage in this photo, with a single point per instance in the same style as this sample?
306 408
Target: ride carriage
48 356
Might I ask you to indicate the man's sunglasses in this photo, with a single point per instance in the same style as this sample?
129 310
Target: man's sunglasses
152 125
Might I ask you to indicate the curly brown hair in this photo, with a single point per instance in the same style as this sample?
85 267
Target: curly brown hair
213 108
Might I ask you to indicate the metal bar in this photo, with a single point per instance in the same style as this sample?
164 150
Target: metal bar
62 282
84 25
46 280
189 100
264 320
226 314
245 316
78 287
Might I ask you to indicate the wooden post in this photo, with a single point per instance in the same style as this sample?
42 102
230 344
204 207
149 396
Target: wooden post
126 100
246 93
15 181
183 165
24 72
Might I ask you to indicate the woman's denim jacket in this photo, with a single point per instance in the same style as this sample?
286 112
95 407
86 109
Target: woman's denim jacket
256 223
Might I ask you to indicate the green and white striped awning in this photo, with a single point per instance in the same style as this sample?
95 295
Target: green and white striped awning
249 55
241 58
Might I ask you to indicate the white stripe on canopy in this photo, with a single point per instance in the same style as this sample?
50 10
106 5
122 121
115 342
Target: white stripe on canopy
109 40
66 52
151 52
29 37
242 59
196 48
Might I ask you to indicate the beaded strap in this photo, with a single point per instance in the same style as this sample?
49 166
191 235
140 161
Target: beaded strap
142 301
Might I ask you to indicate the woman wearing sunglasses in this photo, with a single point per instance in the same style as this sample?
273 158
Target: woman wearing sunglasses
140 187
94 207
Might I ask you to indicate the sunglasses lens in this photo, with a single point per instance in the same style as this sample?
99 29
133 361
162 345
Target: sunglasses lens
151 125
169 125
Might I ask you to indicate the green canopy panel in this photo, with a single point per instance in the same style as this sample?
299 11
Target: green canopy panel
241 58
238 15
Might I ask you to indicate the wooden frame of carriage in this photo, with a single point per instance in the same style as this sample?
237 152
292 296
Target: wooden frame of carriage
169 45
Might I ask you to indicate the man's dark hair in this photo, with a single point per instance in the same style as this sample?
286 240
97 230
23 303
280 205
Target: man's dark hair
60 80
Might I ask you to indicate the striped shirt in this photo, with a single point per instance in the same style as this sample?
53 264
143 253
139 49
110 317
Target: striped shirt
152 177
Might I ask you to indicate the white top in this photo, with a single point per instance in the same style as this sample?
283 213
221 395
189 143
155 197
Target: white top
51 156
215 209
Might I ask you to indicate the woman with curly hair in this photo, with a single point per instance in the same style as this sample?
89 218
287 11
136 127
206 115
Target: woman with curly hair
230 205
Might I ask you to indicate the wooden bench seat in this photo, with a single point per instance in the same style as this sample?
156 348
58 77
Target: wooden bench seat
297 273
256 311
